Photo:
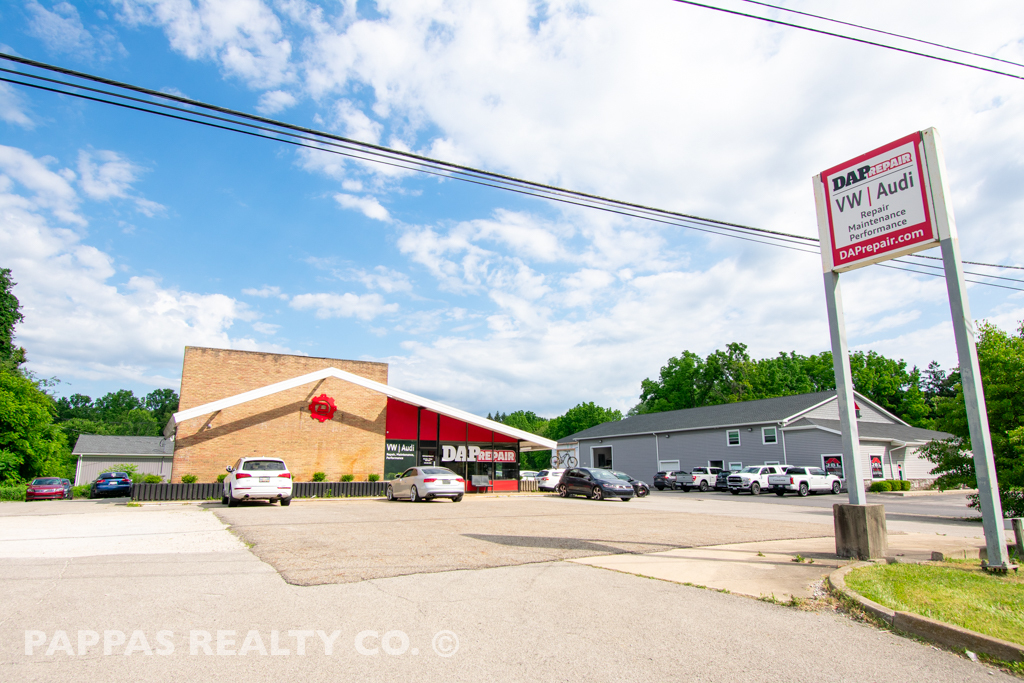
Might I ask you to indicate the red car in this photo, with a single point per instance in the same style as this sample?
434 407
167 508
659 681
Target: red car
42 488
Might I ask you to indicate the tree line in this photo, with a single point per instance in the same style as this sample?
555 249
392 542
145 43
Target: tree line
37 430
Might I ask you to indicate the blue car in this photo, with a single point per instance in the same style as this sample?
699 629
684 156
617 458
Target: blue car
111 484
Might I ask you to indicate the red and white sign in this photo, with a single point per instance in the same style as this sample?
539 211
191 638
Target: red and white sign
322 408
475 454
877 207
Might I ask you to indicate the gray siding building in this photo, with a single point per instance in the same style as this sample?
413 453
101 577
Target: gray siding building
149 454
789 430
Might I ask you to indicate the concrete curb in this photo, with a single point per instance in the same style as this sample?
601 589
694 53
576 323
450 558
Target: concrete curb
929 629
925 492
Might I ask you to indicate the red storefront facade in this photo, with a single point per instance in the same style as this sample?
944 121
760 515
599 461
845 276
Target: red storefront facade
418 436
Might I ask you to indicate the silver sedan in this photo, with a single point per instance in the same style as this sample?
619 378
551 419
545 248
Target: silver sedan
425 483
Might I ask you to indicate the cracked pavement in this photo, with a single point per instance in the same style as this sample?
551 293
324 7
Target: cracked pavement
545 620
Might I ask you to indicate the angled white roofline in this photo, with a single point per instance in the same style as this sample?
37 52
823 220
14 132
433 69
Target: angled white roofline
532 441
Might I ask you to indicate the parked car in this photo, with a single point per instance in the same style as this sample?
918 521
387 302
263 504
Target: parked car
527 475
753 478
111 484
722 480
257 479
426 483
805 480
68 493
45 488
668 479
547 480
640 488
702 478
594 482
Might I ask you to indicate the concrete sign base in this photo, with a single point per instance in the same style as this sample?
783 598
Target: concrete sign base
860 531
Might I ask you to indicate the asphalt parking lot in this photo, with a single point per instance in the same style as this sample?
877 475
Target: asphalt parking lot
317 542
165 592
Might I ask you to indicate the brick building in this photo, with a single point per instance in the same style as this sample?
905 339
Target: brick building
326 415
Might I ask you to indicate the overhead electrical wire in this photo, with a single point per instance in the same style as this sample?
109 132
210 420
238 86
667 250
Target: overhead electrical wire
885 33
863 41
279 131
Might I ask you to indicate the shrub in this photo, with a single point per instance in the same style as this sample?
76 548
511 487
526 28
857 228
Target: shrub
152 479
348 477
13 492
189 479
221 478
373 477
80 491
905 485
319 476
132 470
880 486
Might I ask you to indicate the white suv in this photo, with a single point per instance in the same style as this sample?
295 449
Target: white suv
257 479
547 480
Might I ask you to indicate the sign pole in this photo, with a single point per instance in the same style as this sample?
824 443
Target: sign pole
967 354
844 388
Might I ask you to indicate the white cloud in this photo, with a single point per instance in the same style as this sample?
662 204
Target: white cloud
132 331
355 123
265 328
368 206
348 305
385 279
52 190
266 292
274 101
244 37
105 175
61 30
14 108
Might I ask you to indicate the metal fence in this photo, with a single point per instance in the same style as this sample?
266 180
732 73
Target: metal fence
300 489
338 489
528 485
176 491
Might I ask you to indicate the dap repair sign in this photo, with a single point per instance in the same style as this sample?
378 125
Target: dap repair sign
877 206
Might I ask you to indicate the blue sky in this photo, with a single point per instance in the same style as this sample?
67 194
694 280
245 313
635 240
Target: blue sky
131 236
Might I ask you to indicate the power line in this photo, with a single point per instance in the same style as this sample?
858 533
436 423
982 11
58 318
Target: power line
863 41
973 263
886 33
278 131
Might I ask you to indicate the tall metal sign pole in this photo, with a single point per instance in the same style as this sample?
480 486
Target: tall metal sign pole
890 202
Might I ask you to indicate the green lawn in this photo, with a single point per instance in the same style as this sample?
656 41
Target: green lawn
961 594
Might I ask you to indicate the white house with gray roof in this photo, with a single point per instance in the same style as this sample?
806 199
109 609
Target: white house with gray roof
149 454
789 430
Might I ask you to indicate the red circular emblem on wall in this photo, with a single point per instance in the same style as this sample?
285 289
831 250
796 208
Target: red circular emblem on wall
322 408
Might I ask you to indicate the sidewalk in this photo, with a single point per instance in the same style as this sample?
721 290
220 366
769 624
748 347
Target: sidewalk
768 568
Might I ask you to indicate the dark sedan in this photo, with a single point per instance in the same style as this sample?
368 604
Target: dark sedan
594 482
640 488
111 484
45 488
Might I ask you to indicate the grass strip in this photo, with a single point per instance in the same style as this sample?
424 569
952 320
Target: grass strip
962 594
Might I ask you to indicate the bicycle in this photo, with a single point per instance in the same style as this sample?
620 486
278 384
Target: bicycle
563 460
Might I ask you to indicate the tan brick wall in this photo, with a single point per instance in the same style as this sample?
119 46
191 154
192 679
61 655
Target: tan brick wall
278 425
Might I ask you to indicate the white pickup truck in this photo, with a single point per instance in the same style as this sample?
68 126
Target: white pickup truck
753 478
805 480
702 478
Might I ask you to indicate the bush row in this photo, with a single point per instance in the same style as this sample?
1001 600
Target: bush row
889 485
13 492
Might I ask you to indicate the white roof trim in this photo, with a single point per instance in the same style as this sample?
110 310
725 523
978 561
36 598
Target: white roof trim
531 441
